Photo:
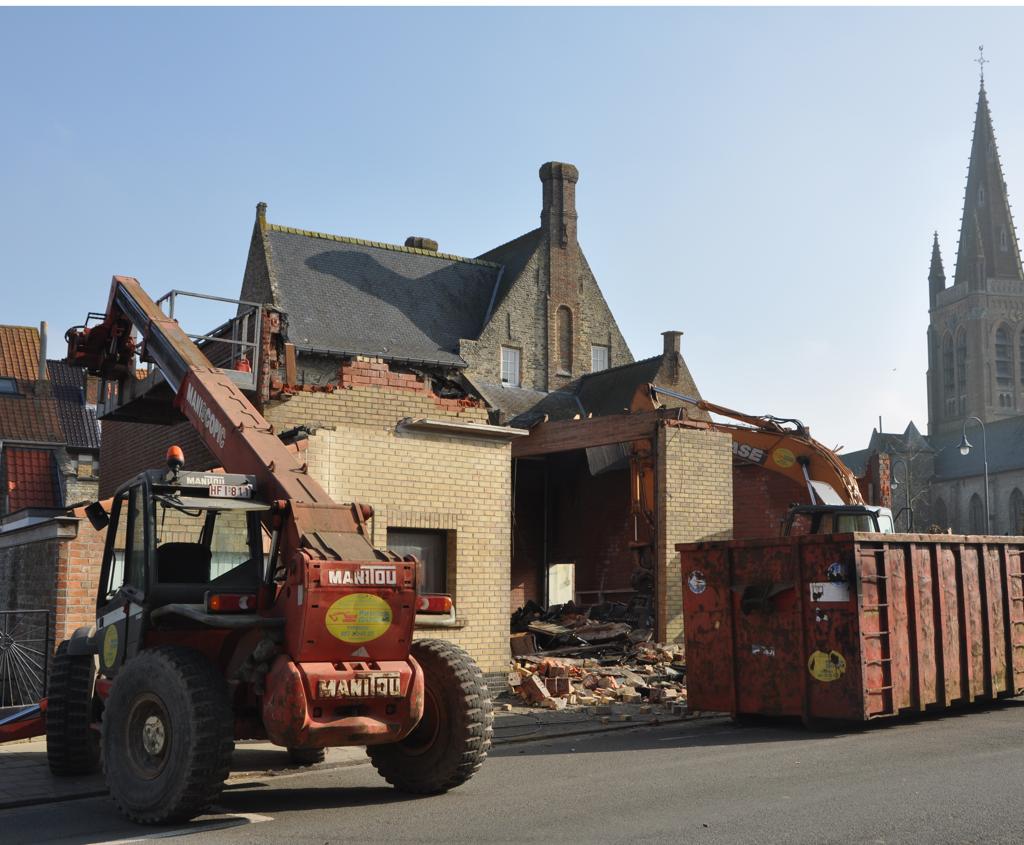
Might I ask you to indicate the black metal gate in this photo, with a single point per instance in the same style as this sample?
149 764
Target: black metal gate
24 656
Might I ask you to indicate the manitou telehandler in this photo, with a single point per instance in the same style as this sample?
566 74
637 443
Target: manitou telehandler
244 604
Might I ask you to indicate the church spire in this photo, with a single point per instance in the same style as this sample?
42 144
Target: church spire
936 274
988 242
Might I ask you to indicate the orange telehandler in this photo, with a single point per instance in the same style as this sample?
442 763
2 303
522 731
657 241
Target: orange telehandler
244 604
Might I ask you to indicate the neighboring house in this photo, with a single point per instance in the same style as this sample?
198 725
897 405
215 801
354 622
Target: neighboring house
975 367
49 436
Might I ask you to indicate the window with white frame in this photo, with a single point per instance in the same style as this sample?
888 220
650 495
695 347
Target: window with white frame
510 366
599 356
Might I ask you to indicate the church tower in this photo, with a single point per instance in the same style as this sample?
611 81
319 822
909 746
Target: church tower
976 326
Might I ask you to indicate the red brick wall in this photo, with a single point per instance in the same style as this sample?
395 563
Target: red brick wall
77 578
760 501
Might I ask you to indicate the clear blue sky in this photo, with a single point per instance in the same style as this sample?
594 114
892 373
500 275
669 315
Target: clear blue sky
765 180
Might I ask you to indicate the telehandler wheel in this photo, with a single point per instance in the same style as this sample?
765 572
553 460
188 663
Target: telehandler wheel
452 739
167 736
72 746
307 756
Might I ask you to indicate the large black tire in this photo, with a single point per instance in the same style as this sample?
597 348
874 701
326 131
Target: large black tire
307 756
72 746
167 736
452 739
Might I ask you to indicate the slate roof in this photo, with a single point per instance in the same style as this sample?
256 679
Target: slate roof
345 296
19 352
856 462
513 401
1005 450
77 420
30 476
513 256
601 394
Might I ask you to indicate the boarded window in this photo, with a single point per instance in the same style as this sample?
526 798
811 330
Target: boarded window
564 320
510 366
599 356
430 549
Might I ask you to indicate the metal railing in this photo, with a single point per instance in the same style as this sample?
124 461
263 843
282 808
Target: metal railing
25 649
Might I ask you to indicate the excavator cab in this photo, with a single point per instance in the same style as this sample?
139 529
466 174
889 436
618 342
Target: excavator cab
837 519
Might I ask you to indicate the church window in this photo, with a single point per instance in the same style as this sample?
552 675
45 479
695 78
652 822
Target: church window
564 321
1004 359
598 358
976 516
1004 240
961 371
981 194
948 373
1016 525
1020 356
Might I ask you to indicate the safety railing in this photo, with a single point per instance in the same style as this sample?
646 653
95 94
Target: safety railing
25 648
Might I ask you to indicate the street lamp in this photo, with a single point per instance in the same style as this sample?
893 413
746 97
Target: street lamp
965 449
895 484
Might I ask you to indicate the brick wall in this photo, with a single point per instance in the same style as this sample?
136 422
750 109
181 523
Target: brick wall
77 578
128 448
419 481
760 501
694 493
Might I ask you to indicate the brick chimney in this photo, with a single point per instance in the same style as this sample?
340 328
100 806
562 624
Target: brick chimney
426 244
671 355
558 223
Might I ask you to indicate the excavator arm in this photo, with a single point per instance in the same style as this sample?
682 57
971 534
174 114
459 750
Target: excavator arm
776 444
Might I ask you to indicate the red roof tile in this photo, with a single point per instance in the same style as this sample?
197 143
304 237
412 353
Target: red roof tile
30 478
19 352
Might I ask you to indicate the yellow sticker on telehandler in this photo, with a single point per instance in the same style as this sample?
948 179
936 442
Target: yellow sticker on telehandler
110 646
358 618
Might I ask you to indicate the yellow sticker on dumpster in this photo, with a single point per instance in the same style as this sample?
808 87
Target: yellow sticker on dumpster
826 667
358 618
110 646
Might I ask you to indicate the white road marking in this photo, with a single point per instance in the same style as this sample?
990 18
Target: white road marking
233 820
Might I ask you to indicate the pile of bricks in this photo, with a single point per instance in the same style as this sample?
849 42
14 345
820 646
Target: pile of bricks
651 675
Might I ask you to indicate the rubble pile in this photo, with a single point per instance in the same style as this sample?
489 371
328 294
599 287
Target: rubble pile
566 656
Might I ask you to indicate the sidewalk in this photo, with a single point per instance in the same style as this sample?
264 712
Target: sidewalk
25 777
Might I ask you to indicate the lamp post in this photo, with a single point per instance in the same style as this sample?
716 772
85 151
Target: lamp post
906 482
965 449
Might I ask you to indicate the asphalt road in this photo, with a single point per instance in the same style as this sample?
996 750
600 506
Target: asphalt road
953 779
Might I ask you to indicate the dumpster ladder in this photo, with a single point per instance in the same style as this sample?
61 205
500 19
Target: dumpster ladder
881 654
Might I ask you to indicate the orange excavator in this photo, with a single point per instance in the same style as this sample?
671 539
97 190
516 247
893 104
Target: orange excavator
244 604
834 501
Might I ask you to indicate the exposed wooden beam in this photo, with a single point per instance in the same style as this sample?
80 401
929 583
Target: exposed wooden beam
566 435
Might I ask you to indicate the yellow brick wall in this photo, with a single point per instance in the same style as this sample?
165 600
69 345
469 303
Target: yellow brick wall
418 480
694 481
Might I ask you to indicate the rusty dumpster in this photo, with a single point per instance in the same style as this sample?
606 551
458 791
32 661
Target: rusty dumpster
852 626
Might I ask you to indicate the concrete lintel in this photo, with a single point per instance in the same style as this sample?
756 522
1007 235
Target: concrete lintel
461 429
56 528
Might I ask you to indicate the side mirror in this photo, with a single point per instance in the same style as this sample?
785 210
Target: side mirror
98 517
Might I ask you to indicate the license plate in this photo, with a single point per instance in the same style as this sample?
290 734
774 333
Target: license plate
231 491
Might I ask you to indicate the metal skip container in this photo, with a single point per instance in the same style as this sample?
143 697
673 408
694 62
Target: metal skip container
852 626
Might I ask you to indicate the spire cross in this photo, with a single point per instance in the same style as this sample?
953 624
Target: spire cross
982 61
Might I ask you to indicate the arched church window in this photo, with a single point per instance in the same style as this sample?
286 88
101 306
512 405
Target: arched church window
976 516
1016 524
564 319
948 371
1004 358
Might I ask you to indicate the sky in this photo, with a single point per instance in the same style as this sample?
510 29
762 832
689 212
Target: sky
765 180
